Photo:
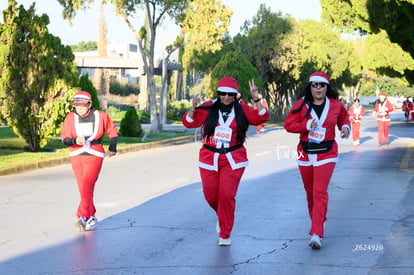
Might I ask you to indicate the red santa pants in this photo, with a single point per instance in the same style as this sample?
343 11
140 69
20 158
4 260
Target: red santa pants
356 127
86 169
258 127
316 180
220 189
383 131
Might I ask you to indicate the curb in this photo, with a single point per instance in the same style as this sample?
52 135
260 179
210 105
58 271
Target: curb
64 160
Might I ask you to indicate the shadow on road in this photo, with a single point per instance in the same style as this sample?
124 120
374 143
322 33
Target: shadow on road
175 233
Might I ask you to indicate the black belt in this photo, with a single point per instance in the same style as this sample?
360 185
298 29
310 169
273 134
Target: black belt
316 148
223 150
95 142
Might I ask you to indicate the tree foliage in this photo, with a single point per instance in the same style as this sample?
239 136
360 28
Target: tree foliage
236 65
37 73
86 85
205 23
261 37
84 46
144 32
376 17
384 57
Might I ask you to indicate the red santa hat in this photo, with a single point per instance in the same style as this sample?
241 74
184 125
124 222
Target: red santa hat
82 97
383 94
319 77
227 84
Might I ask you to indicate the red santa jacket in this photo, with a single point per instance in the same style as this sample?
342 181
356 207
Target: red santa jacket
333 114
356 113
237 158
407 106
383 110
91 127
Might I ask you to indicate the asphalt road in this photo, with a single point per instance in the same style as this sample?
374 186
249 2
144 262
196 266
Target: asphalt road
154 219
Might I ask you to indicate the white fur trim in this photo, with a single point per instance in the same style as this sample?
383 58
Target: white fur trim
227 90
318 78
188 118
77 97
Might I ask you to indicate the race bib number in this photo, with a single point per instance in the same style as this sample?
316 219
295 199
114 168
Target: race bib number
317 135
85 129
222 134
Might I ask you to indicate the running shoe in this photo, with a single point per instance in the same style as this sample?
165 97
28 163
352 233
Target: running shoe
91 223
224 242
315 242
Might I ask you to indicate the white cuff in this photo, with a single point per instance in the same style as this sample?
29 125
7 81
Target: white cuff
346 126
262 111
188 118
308 124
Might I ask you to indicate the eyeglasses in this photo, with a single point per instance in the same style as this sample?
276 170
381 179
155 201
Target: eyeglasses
318 85
225 94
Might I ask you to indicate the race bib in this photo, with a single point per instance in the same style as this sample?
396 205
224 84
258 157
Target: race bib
85 129
222 134
317 135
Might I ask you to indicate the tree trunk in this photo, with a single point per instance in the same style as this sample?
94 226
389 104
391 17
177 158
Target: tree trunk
179 93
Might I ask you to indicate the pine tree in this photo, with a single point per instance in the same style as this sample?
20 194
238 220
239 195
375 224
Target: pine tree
37 73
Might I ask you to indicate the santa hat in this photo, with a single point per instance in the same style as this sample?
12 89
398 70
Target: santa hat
82 97
383 94
227 84
319 77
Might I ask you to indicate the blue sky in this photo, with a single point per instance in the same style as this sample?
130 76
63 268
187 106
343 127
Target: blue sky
85 24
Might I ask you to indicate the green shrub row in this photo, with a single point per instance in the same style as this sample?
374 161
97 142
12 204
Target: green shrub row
177 109
123 89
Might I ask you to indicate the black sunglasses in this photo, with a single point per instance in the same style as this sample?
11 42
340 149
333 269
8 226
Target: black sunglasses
225 94
318 85
81 104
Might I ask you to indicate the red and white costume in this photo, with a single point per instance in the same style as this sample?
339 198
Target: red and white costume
264 104
221 172
383 109
87 159
316 168
408 108
356 113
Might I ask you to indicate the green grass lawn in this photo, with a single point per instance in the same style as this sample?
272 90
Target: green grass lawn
13 150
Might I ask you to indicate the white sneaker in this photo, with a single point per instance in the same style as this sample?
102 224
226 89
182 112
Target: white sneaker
81 224
91 223
315 242
224 242
218 227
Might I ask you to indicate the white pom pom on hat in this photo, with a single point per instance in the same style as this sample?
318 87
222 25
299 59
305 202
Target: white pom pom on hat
319 77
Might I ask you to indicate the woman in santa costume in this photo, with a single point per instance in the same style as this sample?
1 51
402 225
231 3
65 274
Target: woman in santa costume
356 113
82 131
314 116
407 109
223 158
264 104
383 107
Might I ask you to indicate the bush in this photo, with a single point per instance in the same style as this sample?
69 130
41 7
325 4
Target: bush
177 109
123 89
130 124
144 117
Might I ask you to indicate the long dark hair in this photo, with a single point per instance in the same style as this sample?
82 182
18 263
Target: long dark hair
213 116
308 99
